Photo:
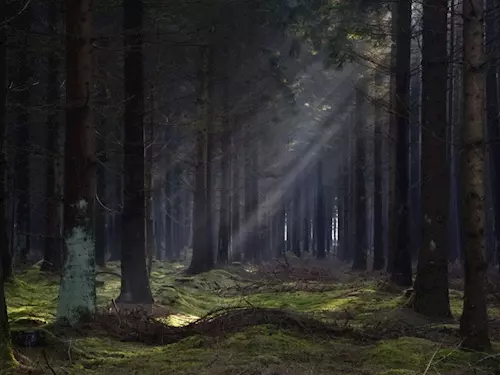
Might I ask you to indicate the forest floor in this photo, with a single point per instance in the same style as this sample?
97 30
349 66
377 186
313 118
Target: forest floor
278 319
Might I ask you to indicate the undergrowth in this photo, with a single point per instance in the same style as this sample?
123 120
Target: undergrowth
338 323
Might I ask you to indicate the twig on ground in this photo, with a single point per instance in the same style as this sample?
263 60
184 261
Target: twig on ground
117 311
47 362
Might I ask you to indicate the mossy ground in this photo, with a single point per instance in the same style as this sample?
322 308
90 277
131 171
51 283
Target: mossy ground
361 300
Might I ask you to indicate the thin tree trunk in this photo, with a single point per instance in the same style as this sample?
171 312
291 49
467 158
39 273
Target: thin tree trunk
431 283
359 261
225 199
235 199
320 212
203 255
22 136
77 294
391 145
53 246
135 289
401 272
306 220
378 226
251 198
296 218
101 212
474 320
148 187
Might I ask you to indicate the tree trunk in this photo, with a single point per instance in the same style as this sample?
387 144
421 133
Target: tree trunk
77 294
251 251
296 218
7 360
53 247
455 230
492 120
415 158
320 212
359 262
401 272
22 136
391 210
306 220
101 212
235 200
378 220
148 189
474 320
203 255
225 197
431 283
135 288
5 255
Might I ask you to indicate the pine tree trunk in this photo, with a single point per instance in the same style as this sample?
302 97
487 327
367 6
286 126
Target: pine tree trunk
306 220
431 283
296 219
359 262
415 158
378 220
320 226
474 320
5 255
22 135
401 272
455 230
148 189
101 212
6 356
251 251
391 145
225 199
77 294
492 120
203 254
235 199
135 289
53 247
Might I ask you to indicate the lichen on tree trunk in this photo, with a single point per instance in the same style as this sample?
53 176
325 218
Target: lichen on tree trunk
77 295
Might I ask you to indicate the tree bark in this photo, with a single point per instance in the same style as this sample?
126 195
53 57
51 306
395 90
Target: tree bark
23 24
77 294
5 255
296 207
235 198
359 261
320 212
401 272
101 212
7 360
431 283
203 254
251 251
135 289
474 320
378 220
492 120
148 189
225 198
53 246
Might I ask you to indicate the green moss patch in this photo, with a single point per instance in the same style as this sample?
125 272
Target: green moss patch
263 349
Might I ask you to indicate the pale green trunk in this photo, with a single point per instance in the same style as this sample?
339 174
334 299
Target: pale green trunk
77 294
